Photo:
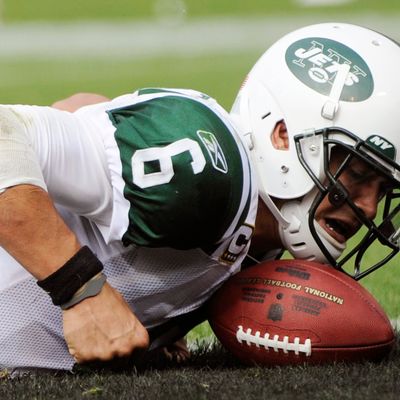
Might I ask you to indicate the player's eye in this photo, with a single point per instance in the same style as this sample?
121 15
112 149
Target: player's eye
356 174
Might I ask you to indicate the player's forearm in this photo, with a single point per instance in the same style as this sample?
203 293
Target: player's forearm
32 231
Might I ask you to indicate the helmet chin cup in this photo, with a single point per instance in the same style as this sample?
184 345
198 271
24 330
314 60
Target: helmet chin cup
298 239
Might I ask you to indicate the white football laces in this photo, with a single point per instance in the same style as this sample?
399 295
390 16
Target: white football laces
285 345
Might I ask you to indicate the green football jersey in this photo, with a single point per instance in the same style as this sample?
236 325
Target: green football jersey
186 172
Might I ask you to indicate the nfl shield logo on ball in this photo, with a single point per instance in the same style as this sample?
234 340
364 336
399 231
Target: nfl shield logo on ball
275 312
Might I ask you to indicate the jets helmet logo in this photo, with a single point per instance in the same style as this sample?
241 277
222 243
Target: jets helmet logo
315 62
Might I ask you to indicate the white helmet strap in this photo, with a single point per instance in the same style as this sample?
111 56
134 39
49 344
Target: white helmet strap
283 222
331 106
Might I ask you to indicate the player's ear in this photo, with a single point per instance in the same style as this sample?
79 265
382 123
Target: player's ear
279 136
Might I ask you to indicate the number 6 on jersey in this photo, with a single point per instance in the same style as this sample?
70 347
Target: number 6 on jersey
164 156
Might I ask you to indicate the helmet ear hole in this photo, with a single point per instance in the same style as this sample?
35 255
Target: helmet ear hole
279 136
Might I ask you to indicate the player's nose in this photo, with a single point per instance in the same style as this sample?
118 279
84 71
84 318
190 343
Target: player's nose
367 199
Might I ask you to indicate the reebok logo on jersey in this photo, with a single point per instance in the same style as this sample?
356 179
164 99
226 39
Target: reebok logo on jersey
315 62
383 146
214 150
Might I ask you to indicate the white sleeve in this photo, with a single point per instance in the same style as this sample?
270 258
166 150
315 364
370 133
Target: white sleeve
18 162
69 159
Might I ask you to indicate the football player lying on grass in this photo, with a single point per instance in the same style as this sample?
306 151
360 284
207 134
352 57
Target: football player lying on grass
175 192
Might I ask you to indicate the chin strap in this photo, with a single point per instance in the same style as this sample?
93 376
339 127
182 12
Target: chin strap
283 222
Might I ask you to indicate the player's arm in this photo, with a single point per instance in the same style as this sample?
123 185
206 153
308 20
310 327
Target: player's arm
99 327
31 230
79 100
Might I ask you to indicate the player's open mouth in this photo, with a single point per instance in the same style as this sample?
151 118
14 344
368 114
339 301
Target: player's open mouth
338 229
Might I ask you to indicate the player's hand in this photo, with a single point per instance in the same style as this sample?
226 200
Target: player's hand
103 327
177 351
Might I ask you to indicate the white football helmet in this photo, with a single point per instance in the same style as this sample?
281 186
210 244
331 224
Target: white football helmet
334 85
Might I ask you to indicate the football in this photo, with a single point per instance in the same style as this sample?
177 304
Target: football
287 312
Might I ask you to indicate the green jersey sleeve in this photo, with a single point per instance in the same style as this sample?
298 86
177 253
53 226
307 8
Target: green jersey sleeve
184 172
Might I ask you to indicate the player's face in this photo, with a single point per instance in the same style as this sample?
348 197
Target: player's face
364 187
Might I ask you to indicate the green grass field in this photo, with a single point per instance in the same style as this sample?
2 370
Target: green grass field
210 374
43 81
35 10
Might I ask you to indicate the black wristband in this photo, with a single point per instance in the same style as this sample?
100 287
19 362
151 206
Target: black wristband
62 284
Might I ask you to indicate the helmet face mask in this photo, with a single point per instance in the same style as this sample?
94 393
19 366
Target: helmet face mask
336 86
342 159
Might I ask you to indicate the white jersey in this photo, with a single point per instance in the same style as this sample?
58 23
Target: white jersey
169 200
